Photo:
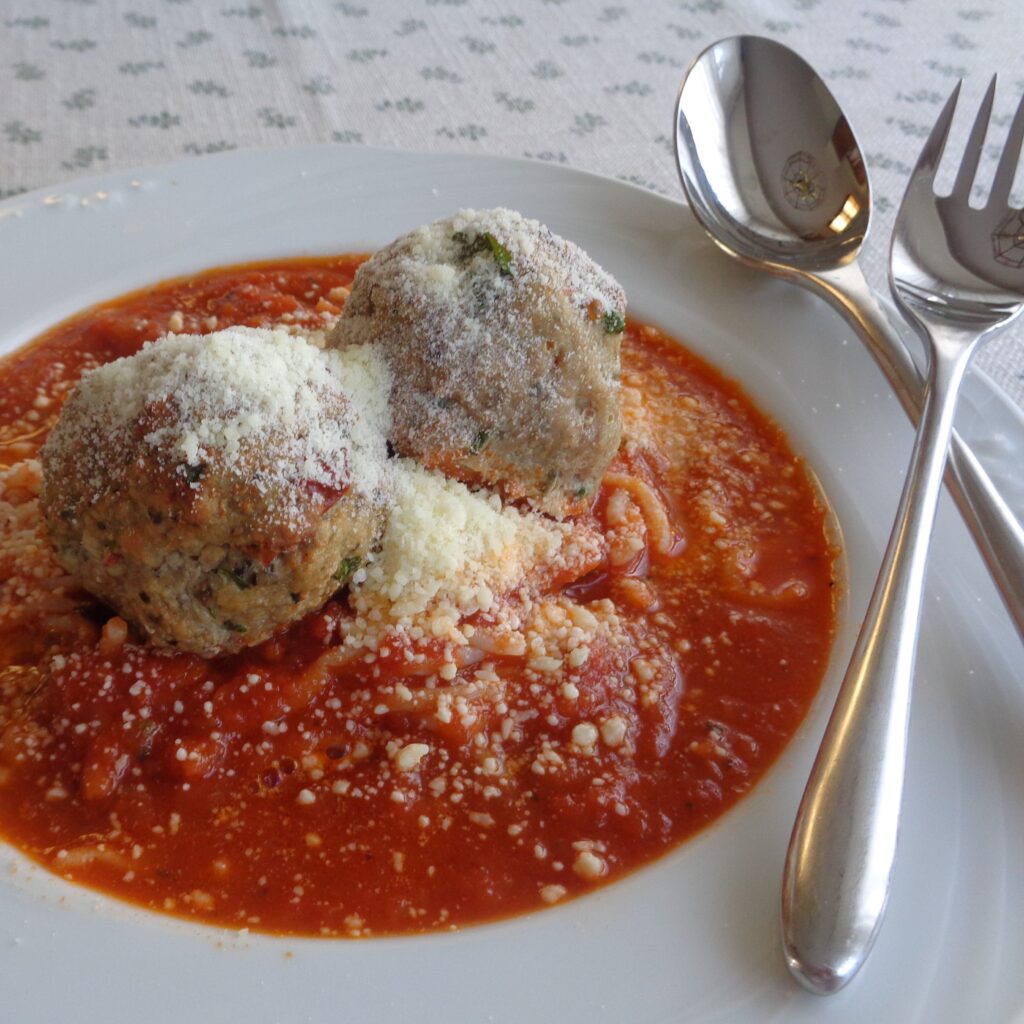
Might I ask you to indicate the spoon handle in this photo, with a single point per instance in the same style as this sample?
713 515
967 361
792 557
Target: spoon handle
997 532
843 847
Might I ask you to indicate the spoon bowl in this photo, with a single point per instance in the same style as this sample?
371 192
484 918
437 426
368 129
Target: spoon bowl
769 162
773 172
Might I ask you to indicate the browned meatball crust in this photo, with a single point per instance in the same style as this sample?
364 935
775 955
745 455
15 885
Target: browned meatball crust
203 487
502 340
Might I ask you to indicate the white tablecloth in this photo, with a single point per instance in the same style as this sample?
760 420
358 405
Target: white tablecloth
94 85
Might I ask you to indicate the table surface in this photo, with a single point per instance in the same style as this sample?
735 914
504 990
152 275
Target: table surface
88 86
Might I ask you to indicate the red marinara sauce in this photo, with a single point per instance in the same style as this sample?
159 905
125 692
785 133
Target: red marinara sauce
272 791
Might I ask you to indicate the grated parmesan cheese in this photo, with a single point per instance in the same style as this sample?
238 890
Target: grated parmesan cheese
230 387
367 384
449 549
503 341
239 392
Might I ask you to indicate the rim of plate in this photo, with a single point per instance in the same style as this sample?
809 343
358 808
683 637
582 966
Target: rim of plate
575 945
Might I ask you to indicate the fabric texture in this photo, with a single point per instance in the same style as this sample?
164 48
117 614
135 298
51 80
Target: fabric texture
94 85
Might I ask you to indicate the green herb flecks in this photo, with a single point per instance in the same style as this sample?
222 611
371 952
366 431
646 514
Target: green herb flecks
581 492
479 442
346 568
193 474
614 322
549 480
234 577
501 255
482 243
235 627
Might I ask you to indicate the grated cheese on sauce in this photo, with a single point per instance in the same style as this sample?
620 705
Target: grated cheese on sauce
417 754
26 554
451 549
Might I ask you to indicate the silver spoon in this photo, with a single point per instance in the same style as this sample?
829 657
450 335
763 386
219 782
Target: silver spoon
773 173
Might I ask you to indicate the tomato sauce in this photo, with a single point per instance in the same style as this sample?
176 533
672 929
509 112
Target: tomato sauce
277 791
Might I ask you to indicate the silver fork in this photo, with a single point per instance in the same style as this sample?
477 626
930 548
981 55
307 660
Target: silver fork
957 274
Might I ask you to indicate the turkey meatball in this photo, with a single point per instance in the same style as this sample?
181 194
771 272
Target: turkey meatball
502 341
213 489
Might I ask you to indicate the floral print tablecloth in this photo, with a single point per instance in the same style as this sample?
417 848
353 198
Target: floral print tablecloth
93 85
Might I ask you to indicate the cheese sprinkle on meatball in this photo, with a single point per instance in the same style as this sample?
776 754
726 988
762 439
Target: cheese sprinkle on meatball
502 340
213 489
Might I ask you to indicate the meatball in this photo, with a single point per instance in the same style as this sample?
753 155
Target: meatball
213 489
503 341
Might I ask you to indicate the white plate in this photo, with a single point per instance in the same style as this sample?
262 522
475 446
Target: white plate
695 936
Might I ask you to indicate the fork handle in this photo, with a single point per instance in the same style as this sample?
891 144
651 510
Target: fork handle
997 532
843 847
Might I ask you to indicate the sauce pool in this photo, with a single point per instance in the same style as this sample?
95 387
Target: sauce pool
261 791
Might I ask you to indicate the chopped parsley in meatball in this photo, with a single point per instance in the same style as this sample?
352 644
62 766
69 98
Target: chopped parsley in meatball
213 489
502 340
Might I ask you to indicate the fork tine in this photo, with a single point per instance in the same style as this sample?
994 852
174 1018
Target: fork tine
975 144
931 154
1003 181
